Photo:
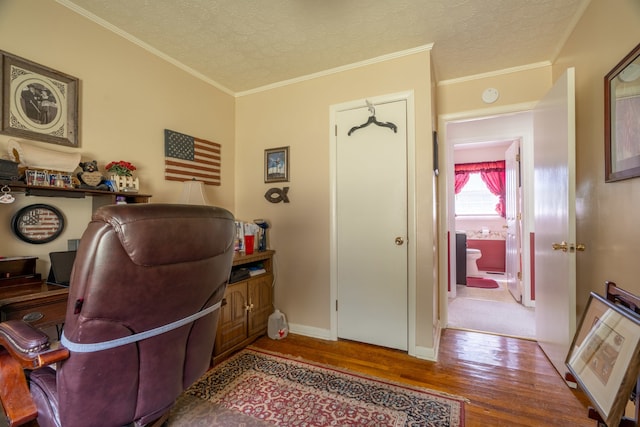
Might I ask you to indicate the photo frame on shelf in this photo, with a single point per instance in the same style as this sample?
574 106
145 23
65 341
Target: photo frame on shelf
604 356
621 125
276 164
38 103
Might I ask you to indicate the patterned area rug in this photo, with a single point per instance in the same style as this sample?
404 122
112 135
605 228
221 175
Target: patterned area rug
258 388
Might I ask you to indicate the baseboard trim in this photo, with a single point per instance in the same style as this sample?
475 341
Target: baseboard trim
426 353
309 331
429 353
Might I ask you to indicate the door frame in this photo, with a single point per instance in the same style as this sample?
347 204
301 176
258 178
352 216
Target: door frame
446 232
408 97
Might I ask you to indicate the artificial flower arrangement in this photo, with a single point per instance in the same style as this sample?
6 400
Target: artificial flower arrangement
121 168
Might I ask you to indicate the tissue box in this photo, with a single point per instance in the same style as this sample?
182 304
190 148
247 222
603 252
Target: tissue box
9 170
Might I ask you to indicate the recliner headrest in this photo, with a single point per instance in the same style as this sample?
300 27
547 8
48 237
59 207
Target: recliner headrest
137 227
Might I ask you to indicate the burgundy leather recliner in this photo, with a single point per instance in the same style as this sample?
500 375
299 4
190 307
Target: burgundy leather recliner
146 269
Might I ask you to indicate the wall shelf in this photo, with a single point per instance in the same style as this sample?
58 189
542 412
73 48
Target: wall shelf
100 197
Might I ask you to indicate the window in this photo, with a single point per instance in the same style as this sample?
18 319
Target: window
475 198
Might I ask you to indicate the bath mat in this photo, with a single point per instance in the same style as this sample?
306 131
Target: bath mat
481 282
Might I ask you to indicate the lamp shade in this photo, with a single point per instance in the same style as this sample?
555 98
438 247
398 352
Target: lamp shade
193 193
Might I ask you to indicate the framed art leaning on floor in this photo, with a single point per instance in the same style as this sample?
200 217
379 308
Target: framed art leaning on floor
604 356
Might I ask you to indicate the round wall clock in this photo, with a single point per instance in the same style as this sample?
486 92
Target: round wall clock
37 223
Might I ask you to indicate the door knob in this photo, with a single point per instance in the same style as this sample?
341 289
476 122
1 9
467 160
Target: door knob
560 246
564 247
399 241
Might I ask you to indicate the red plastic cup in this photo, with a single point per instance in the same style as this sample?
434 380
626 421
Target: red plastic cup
248 244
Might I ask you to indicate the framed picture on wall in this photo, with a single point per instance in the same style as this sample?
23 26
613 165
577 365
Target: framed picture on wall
38 103
276 164
621 124
604 356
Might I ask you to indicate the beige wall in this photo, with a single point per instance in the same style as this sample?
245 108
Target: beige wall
606 213
127 98
463 97
298 116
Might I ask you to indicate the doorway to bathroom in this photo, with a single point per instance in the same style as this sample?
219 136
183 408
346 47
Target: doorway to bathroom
488 242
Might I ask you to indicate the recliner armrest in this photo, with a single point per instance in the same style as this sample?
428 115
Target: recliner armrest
28 345
25 347
23 337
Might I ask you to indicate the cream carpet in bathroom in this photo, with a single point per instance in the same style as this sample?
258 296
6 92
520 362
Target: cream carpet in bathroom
491 310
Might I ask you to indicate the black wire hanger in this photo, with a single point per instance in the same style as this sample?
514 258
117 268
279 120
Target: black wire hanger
372 119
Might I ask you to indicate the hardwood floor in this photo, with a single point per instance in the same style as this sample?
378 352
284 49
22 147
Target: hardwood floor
507 381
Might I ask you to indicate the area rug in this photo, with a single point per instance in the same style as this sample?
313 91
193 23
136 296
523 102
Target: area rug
481 282
259 388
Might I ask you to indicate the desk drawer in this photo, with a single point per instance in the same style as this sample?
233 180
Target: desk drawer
41 311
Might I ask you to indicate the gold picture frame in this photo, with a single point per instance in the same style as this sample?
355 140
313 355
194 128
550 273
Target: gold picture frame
38 103
604 356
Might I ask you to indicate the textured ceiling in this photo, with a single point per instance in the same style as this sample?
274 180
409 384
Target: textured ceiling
241 45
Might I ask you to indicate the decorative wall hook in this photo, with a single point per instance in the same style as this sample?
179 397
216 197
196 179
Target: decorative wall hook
277 195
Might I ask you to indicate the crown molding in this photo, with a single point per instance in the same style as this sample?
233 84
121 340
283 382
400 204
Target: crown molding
495 73
377 59
85 13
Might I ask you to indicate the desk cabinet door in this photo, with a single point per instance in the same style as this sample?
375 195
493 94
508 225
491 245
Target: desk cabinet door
232 326
260 296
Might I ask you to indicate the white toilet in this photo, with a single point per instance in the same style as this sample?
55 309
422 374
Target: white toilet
472 256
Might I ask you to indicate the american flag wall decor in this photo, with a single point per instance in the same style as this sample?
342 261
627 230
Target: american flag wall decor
187 157
37 223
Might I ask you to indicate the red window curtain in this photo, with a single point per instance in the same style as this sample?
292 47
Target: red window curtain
461 179
492 174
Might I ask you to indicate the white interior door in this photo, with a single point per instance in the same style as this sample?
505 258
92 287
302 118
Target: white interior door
512 166
554 195
371 224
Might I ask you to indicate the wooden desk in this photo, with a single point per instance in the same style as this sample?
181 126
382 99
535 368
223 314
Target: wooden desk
40 304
